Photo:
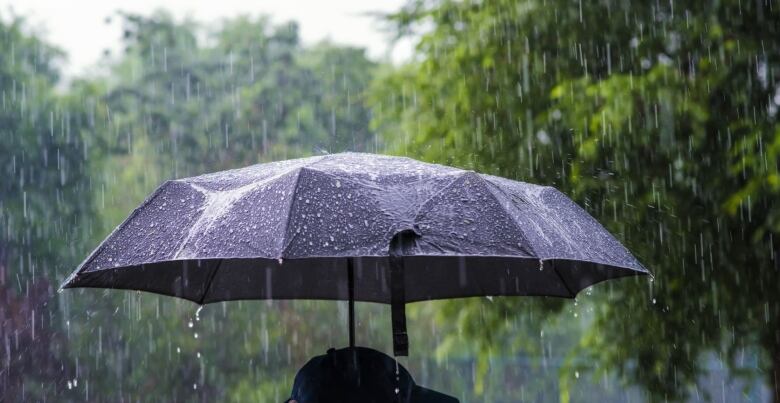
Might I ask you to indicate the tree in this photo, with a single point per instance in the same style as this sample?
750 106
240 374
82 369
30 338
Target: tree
42 163
175 105
252 94
660 119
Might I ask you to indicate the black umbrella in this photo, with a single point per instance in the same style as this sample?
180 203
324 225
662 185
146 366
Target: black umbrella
356 227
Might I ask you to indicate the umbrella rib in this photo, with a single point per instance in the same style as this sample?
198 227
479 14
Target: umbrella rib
300 169
489 186
213 198
345 179
211 281
563 281
285 243
438 192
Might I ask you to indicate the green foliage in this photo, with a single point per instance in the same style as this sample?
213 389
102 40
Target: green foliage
250 93
41 157
661 120
44 176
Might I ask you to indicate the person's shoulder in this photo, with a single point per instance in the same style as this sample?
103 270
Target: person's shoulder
424 395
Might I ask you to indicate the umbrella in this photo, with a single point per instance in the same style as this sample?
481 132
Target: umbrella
355 227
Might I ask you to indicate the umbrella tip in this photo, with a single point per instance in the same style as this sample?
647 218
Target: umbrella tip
320 150
66 284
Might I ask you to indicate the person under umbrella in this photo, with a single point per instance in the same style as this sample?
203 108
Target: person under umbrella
359 375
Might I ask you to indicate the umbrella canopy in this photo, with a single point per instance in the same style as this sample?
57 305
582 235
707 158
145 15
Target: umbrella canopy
355 227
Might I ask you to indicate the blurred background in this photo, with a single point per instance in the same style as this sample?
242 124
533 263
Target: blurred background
659 118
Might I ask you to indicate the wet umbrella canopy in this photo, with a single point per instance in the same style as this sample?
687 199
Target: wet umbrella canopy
357 227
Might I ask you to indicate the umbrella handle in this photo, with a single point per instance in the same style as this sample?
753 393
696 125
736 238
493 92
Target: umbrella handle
398 306
402 243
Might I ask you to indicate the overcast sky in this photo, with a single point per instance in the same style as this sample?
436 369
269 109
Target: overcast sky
79 26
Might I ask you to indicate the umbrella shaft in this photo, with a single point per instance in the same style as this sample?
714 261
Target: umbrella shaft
351 285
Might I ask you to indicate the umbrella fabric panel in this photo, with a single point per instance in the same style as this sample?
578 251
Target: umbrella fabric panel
402 202
465 218
381 170
240 177
471 276
153 232
334 216
187 279
426 278
245 221
578 275
557 228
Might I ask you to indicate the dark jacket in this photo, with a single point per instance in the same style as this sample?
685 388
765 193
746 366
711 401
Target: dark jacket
359 375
